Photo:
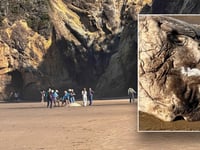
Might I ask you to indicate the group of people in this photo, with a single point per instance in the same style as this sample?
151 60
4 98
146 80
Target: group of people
14 96
69 97
90 96
52 97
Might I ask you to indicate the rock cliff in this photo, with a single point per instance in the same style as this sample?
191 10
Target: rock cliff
73 44
68 44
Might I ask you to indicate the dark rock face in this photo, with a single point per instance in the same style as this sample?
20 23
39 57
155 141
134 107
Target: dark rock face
121 72
172 7
169 69
67 44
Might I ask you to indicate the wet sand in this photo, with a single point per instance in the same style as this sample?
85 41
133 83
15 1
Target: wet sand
150 123
32 126
108 125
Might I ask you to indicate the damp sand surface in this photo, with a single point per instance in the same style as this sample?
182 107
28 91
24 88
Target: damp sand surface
31 126
107 125
150 123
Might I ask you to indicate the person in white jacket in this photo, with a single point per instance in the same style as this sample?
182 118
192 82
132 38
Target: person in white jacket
84 94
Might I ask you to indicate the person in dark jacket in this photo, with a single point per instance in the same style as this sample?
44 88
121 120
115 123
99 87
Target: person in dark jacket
90 96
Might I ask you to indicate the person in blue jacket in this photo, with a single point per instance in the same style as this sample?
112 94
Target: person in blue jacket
65 98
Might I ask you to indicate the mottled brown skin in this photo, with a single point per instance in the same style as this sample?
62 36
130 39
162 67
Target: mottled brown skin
167 88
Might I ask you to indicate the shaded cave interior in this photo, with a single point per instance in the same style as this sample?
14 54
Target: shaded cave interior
16 83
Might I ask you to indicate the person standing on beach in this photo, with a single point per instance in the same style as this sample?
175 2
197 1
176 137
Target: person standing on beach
65 99
48 97
42 96
70 95
73 96
56 98
84 94
16 96
91 93
131 93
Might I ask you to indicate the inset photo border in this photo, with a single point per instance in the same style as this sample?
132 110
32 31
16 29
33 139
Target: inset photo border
168 73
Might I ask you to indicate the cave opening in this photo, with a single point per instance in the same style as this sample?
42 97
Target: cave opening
16 80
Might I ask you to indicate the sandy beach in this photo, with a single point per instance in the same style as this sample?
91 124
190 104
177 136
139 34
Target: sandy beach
107 125
150 123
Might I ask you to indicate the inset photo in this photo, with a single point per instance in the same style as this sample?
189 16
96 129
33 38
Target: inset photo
169 73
